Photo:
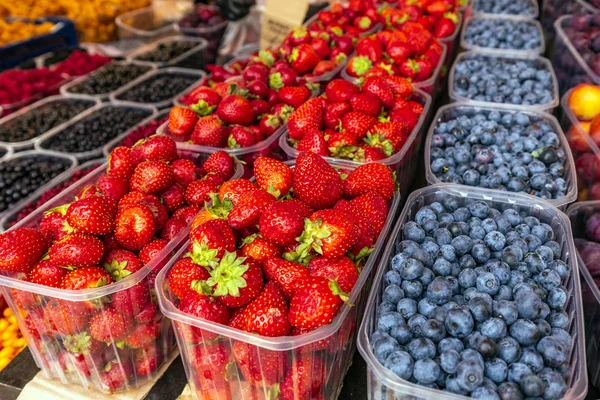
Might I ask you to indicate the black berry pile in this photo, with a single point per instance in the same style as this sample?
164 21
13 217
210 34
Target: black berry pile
165 52
41 120
158 88
109 78
22 176
95 130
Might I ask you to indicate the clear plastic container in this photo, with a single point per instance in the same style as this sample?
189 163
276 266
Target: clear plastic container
337 337
455 110
198 75
431 86
7 109
44 140
382 383
65 90
5 151
8 219
14 117
517 19
143 26
194 58
539 62
403 163
571 69
554 9
213 34
534 6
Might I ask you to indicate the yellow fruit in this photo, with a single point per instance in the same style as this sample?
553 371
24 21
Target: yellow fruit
6 352
7 335
7 312
584 101
12 320
4 362
20 343
4 325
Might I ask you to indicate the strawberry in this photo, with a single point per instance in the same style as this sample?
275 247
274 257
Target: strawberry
342 270
400 86
220 162
303 58
259 106
147 360
283 76
340 91
17 257
82 343
313 142
235 109
203 100
212 358
306 118
293 96
234 189
366 103
437 8
236 280
316 183
183 274
256 72
241 136
345 43
374 207
370 47
358 66
110 325
341 144
173 227
151 250
187 213
247 210
334 113
133 300
367 178
259 89
77 249
211 240
321 47
304 379
259 249
121 263
378 87
94 215
409 69
273 176
326 232
116 374
151 177
135 227
406 117
54 225
381 70
258 365
368 153
210 131
357 123
205 307
155 148
120 163
269 124
132 199
199 192
174 197
267 314
364 231
114 187
143 334
147 313
47 273
85 278
315 302
282 222
184 171
287 274
181 121
425 69
67 317
399 51
363 23
390 137
445 27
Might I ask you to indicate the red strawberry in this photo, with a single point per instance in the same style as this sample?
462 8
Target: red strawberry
85 278
294 96
120 163
155 148
313 142
54 225
267 314
133 300
121 263
445 27
367 178
315 302
304 379
159 211
220 162
16 257
303 58
77 249
390 137
288 275
234 189
198 192
151 250
67 317
248 208
210 131
109 325
174 197
269 124
327 232
357 123
298 36
364 230
377 86
82 343
183 274
400 86
181 121
147 313
211 359
143 334
25 300
363 23
258 365
261 90
259 106
147 360
211 240
409 69
173 227
406 117
135 227
236 280
273 176
240 136
205 307
321 47
366 103
284 76
425 69
316 183
204 100
256 72
47 273
282 222
341 269
306 118
325 66
259 249
94 215
340 91
112 186
334 113
184 171
187 213
341 144
151 177
358 66
370 47
374 207
399 51
235 109
116 374
368 153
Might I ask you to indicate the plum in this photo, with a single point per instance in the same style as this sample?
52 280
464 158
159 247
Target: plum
592 227
590 254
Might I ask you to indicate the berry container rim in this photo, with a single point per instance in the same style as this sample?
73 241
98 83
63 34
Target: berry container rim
515 18
199 74
120 22
577 389
535 15
426 101
38 104
536 107
201 45
558 27
282 343
571 177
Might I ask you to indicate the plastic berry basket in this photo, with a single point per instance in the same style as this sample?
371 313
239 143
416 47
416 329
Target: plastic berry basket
213 34
514 18
199 77
382 383
339 334
194 57
13 118
142 26
403 163
45 140
66 89
539 62
5 151
475 10
554 9
455 110
571 69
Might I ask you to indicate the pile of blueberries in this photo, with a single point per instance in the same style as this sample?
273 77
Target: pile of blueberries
503 80
19 177
158 88
40 120
501 33
474 304
95 130
500 150
109 78
520 7
165 52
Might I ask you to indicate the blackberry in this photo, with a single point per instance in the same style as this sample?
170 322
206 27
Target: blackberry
165 52
109 78
158 88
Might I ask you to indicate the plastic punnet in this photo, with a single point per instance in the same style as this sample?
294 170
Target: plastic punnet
382 383
554 9
139 26
455 110
196 54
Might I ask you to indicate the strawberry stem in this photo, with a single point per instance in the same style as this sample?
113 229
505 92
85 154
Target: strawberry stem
227 276
202 255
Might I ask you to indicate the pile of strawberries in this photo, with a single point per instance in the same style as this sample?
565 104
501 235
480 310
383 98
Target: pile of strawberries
355 18
410 51
277 257
437 16
111 230
363 124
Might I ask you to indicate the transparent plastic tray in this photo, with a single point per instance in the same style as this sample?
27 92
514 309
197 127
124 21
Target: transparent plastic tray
196 52
137 26
534 15
7 109
455 110
41 141
65 90
540 61
571 69
28 144
382 383
199 75
403 163
213 34
554 9
340 333
518 19
5 151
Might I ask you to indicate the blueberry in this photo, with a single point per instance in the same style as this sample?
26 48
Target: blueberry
426 371
425 213
557 297
533 242
496 369
407 307
500 269
509 349
504 293
442 267
426 277
555 385
495 240
558 319
546 253
553 350
411 269
506 311
532 386
433 330
450 343
459 322
421 349
439 314
529 305
477 232
488 283
467 278
393 278
517 371
402 333
544 327
388 320
386 306
485 393
453 386
548 278
426 306
562 335
480 309
481 253
401 364
397 261
555 247
393 294
449 361
525 332
510 391
462 244
532 359
559 266
469 375
440 290
412 231
412 289
479 209
489 225
443 236
494 328
467 261
383 347
544 232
